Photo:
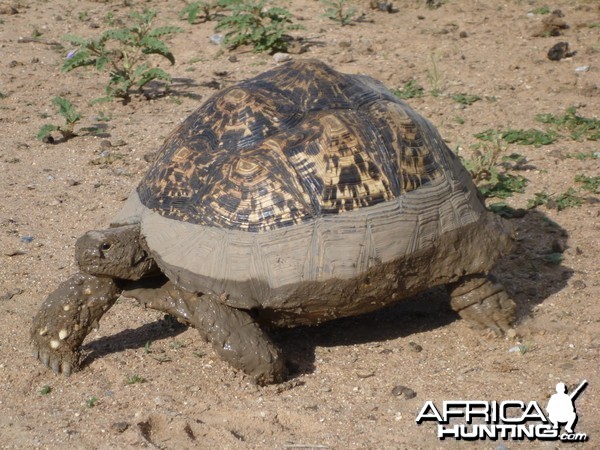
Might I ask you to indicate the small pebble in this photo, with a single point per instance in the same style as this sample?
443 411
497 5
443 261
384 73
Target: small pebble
581 69
364 373
10 294
27 239
403 391
579 284
216 39
14 252
233 59
281 57
72 182
415 347
463 34
120 427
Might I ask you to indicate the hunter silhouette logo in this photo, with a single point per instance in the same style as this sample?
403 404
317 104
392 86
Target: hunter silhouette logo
561 407
510 419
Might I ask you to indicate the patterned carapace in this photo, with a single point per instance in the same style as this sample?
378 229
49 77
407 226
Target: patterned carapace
290 145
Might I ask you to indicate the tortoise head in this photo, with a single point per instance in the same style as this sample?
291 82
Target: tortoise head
118 252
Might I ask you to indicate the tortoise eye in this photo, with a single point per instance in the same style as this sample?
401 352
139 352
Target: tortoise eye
105 246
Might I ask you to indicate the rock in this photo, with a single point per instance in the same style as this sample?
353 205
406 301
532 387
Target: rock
281 57
403 391
10 294
415 347
8 9
579 285
560 51
120 427
216 39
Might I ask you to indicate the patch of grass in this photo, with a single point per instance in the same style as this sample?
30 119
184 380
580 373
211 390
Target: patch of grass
409 90
202 11
253 23
45 390
579 127
590 184
541 10
466 99
503 185
124 51
91 402
567 199
583 156
175 345
433 75
531 136
71 116
459 120
338 11
135 379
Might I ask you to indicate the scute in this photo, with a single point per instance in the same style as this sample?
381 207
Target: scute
293 144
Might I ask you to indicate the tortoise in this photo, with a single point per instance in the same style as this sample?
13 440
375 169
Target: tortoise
295 197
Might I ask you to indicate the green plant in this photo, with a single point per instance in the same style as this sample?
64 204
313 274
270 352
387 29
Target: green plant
503 185
541 10
45 390
590 184
567 199
433 75
583 156
135 379
504 210
338 11
531 136
69 113
252 23
409 90
579 126
124 51
204 10
465 99
92 401
554 258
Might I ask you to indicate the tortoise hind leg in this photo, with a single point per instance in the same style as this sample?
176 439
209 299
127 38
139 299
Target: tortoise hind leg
233 333
483 303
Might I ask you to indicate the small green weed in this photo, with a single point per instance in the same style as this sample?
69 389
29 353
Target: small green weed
433 75
583 156
252 23
567 199
124 51
69 113
531 136
338 11
202 11
409 90
135 379
466 99
506 211
503 185
459 120
554 258
45 390
175 345
91 402
579 127
590 184
541 10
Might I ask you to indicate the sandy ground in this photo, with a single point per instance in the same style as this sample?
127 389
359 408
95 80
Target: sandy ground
342 393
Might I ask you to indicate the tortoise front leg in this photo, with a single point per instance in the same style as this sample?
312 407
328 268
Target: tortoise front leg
233 333
483 303
66 318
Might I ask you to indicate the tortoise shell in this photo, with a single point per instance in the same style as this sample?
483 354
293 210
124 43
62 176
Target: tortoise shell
311 192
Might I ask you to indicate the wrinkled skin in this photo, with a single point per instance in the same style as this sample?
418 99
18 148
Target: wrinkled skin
116 261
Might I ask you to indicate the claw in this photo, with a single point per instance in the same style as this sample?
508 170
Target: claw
44 357
55 365
66 368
